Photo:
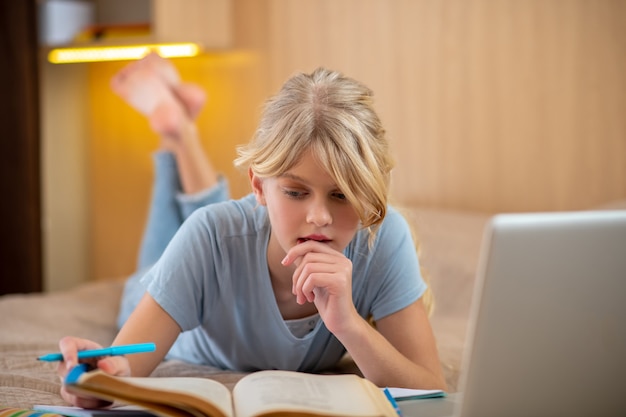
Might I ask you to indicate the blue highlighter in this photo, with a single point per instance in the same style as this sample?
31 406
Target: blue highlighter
110 351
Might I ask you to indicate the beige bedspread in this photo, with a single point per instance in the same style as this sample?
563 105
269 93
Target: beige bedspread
31 325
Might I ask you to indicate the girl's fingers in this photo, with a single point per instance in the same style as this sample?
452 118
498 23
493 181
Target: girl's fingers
317 266
302 249
70 346
305 265
321 271
115 365
83 402
311 275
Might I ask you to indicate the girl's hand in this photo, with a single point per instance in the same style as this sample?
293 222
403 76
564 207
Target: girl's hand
115 365
323 276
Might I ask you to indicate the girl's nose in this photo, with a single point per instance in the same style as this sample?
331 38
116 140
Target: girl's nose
319 214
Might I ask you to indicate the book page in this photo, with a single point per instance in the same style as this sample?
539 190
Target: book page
265 392
160 393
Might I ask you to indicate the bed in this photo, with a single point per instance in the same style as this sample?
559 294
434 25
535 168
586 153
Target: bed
32 324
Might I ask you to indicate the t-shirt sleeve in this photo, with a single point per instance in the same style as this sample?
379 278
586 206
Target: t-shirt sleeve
396 281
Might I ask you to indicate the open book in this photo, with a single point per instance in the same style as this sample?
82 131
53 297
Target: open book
263 393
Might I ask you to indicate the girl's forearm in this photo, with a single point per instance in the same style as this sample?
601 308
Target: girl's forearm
380 362
148 323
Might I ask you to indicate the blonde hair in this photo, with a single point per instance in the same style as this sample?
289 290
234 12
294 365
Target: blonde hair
331 115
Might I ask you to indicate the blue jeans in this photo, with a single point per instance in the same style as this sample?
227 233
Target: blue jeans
169 208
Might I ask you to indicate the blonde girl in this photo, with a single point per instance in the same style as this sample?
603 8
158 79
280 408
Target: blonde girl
287 276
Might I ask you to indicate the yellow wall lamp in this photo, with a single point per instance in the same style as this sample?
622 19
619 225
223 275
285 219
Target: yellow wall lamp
121 52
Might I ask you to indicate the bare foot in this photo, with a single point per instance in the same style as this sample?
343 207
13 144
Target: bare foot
148 94
191 95
152 62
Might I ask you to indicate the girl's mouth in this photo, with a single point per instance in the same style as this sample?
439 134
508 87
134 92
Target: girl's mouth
304 239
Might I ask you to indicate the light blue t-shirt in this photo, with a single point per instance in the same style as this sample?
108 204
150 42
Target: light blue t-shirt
213 280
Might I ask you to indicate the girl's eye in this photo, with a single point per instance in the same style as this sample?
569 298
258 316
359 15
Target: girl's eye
294 194
339 196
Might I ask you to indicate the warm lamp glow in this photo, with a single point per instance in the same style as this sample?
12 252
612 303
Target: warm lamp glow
121 53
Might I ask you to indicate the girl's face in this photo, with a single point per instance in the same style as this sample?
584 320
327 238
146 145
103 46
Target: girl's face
304 203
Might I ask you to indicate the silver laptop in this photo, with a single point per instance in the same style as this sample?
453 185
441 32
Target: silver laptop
547 334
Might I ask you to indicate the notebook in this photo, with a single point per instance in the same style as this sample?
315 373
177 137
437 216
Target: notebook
547 333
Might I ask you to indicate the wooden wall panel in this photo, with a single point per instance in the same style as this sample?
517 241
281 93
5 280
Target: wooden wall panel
495 106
